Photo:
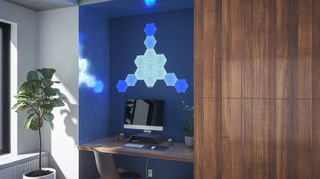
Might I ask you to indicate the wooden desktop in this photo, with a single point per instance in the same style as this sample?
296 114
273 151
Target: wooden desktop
178 152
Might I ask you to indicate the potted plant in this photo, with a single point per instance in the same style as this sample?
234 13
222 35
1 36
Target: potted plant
38 98
188 127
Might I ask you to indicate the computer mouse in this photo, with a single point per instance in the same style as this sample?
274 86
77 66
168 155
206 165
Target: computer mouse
153 147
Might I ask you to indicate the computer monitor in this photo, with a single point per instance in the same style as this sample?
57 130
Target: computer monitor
144 114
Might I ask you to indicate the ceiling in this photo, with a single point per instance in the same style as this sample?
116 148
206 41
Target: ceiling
121 8
40 5
114 7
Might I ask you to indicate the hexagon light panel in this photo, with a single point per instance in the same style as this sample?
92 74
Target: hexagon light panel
150 67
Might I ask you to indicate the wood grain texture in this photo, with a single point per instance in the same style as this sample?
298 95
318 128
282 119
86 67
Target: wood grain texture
303 71
259 62
231 42
178 152
258 139
315 49
315 139
231 139
223 160
257 106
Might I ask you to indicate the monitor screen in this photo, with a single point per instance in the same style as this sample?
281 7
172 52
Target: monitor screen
144 114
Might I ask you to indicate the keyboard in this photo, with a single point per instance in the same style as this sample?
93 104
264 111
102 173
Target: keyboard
139 146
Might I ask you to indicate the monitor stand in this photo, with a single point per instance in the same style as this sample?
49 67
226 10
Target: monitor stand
146 138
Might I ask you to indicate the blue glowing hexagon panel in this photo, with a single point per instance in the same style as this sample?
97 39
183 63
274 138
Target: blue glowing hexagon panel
170 79
131 80
150 29
122 86
151 67
181 86
150 42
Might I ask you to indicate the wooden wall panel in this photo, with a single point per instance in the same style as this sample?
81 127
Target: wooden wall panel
301 146
231 49
283 70
315 139
257 89
231 139
316 49
218 70
302 72
207 163
208 54
258 139
258 37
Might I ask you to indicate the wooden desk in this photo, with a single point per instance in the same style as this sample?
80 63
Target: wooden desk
178 152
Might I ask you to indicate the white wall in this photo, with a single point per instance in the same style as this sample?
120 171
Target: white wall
24 38
58 48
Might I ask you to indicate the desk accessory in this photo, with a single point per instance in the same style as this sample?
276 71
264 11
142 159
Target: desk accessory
170 142
146 138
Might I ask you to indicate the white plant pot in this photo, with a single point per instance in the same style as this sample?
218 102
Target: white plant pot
188 141
50 176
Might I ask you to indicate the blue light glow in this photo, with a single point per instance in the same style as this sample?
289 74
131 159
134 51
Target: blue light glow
150 29
170 79
131 80
98 87
122 86
150 42
88 80
181 86
150 3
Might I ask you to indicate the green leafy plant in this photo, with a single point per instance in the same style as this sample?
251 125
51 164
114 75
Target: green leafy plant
189 109
38 98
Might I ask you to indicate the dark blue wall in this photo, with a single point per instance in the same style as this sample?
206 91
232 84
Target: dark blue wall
174 39
93 46
93 107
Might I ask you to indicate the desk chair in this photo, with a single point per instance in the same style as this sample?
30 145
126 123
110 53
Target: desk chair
108 170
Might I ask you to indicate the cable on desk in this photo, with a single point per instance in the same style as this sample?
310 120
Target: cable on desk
147 165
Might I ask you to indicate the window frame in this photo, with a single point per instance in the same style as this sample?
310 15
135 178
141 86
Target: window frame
6 35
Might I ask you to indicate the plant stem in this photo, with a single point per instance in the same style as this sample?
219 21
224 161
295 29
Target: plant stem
39 121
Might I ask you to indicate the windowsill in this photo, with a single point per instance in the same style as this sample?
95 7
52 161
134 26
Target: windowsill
8 160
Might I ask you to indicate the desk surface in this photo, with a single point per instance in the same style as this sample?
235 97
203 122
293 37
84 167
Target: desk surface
178 152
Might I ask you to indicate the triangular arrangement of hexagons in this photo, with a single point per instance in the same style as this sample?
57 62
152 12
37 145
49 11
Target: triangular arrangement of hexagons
150 67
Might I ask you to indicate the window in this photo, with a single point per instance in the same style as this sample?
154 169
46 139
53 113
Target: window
4 88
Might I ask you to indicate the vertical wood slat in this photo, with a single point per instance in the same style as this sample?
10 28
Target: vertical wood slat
303 88
259 139
231 42
258 53
208 48
231 139
315 49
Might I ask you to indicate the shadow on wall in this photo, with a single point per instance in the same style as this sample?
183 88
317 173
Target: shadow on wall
55 165
62 140
70 125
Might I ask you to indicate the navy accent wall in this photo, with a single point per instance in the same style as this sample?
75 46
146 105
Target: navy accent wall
174 37
93 107
93 46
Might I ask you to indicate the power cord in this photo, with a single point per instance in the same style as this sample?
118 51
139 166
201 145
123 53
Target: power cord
147 166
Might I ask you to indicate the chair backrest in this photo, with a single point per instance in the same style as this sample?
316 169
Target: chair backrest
106 166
